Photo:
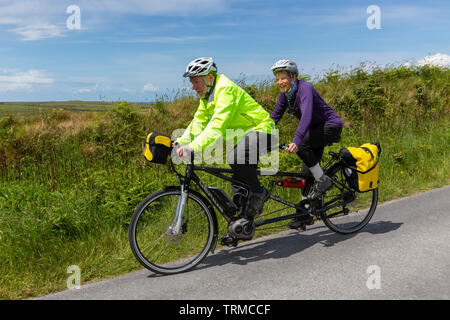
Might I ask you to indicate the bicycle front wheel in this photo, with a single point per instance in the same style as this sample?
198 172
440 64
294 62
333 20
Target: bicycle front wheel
153 242
350 211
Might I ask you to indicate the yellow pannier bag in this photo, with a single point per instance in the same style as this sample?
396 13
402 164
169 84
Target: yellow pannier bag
362 166
157 147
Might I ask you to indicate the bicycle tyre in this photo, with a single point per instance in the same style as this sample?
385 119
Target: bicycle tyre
156 212
360 210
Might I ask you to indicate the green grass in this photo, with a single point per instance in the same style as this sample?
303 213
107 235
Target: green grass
70 180
33 108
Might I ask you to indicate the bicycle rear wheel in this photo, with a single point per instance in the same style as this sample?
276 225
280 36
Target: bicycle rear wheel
350 211
154 245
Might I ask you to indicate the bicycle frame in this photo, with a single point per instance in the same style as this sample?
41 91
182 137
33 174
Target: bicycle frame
171 228
190 176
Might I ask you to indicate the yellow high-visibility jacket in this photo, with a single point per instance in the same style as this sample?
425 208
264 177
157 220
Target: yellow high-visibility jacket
231 108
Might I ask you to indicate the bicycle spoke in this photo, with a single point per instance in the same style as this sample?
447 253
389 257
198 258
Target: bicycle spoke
153 242
348 211
156 242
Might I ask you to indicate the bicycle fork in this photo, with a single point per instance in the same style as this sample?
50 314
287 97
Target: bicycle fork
179 212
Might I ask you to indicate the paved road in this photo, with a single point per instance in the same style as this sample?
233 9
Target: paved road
404 253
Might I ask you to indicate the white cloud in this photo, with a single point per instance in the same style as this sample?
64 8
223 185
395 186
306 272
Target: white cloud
45 10
12 81
438 60
31 19
37 32
165 39
35 20
150 87
29 12
156 7
358 14
7 20
83 90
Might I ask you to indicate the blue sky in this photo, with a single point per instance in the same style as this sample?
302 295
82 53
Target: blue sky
134 50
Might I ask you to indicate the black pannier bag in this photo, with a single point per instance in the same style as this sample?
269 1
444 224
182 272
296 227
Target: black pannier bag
157 147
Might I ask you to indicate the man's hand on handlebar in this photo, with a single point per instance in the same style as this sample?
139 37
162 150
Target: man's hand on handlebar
184 151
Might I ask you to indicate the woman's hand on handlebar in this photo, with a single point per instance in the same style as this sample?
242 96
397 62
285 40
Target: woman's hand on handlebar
292 148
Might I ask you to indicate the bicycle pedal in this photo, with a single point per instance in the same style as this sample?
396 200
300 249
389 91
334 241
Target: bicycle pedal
228 241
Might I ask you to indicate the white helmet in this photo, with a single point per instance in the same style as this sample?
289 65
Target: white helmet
200 67
285 65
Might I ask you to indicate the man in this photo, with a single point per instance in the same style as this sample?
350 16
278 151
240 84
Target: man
224 105
319 125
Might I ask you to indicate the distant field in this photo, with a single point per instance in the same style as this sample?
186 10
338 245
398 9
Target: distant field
31 108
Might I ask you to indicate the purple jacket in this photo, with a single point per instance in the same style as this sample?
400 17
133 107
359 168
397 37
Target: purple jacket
309 107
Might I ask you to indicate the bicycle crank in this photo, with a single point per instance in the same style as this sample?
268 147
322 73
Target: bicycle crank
241 229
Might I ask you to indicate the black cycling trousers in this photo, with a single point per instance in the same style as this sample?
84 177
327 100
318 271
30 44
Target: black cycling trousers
245 156
312 147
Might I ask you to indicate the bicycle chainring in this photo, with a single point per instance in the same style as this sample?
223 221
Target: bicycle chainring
242 229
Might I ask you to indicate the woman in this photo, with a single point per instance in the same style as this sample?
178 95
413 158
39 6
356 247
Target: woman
319 125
